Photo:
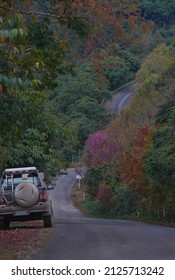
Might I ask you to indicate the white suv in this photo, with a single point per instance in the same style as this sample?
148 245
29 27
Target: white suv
24 196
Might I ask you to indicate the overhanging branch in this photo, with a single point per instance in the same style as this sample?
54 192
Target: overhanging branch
32 13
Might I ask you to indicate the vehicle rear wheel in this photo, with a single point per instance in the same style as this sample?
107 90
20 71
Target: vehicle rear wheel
48 220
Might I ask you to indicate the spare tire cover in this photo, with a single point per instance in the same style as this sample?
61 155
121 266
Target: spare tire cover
26 194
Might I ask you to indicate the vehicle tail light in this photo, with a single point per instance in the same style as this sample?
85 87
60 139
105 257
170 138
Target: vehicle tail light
43 196
2 201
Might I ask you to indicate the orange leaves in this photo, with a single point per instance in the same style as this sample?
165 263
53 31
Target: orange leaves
91 4
76 5
0 88
68 9
27 3
100 21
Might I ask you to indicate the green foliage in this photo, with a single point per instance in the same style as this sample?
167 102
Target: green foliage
119 74
93 179
93 208
159 60
12 28
129 202
116 69
78 98
124 66
155 83
147 162
29 130
101 184
47 115
49 52
13 53
160 163
160 11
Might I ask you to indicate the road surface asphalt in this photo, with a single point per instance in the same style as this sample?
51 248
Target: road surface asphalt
79 238
121 98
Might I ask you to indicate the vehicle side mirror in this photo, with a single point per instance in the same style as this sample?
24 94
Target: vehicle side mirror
50 187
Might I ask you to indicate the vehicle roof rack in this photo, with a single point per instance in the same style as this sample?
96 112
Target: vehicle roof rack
20 170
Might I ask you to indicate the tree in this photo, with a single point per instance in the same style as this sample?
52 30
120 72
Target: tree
159 159
116 69
35 37
158 61
89 18
160 162
79 99
132 165
102 184
102 148
155 84
28 130
161 12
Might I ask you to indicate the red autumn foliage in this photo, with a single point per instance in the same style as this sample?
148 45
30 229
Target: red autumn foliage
102 148
132 165
104 195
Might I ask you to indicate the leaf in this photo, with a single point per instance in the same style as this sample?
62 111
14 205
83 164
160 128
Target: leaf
15 32
6 80
15 50
6 33
37 64
2 37
20 82
14 82
21 32
11 35
36 82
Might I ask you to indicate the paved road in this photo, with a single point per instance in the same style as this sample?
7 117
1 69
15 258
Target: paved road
121 99
80 238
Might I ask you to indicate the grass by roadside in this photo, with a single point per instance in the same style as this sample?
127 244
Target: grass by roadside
23 240
78 197
92 209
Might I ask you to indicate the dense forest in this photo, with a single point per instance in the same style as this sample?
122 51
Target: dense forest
51 85
131 160
60 62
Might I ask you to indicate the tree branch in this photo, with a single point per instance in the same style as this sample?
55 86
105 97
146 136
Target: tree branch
42 5
51 15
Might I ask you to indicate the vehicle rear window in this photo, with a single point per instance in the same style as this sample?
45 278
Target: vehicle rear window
8 182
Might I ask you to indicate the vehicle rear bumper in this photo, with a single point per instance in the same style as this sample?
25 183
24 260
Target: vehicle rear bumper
17 211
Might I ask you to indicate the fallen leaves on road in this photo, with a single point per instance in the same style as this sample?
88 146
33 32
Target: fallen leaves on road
22 241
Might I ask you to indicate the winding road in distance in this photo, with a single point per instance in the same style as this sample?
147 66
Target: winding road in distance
79 238
121 99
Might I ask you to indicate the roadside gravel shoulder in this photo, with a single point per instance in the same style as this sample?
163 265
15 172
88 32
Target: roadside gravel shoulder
23 241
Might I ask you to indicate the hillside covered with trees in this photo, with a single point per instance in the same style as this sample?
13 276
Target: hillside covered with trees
60 62
131 161
49 76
